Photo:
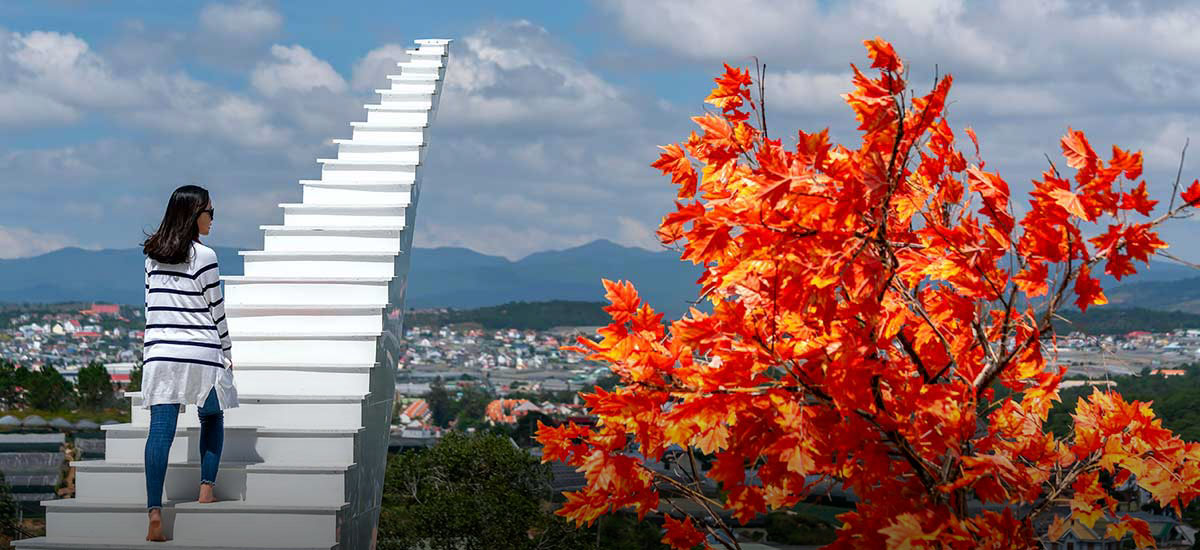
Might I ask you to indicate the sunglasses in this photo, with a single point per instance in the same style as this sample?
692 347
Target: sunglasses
212 213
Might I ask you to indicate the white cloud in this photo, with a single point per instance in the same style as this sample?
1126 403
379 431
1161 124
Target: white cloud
512 74
245 19
294 69
24 108
20 242
370 71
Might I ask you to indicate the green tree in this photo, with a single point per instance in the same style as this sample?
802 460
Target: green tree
10 398
135 379
470 492
8 511
94 387
48 390
472 408
439 403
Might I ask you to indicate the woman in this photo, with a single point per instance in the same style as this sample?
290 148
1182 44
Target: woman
187 352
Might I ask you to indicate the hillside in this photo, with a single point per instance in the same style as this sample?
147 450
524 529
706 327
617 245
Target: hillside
441 277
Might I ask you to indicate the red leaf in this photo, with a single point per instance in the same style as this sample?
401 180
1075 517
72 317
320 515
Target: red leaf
681 535
1192 195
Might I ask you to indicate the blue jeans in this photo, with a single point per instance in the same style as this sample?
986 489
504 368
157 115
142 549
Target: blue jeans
163 419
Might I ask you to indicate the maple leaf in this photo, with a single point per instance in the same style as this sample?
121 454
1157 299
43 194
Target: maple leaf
732 88
1078 151
674 161
1191 195
1139 200
907 533
681 535
1070 202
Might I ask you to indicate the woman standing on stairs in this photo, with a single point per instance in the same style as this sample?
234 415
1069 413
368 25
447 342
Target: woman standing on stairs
187 350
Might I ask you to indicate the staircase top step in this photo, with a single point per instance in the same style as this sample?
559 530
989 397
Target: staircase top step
324 253
354 184
348 206
321 279
357 162
292 398
433 41
90 543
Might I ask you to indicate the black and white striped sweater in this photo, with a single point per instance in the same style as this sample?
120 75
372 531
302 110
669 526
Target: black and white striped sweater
187 349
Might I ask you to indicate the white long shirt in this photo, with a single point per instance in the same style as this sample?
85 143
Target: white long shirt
187 350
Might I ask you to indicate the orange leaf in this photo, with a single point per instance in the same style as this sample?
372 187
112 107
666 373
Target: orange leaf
681 535
1070 202
1192 195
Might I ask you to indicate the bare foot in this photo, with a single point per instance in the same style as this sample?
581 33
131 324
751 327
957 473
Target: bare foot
155 532
206 494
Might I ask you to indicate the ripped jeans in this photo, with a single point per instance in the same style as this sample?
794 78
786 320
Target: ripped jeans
163 419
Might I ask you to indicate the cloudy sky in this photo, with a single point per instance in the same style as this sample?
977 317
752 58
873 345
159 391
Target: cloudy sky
551 111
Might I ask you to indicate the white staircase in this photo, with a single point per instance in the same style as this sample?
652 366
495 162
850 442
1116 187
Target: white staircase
314 353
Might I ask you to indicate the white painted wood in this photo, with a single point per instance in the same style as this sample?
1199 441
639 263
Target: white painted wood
413 86
397 117
311 348
126 443
349 149
279 411
106 481
299 485
78 519
241 290
413 77
307 446
317 264
364 133
126 543
355 171
344 215
305 318
290 380
322 192
350 239
241 523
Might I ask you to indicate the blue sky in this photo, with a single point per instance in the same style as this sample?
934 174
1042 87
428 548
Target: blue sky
552 110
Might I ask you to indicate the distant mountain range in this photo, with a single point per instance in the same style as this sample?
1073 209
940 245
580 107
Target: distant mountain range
462 278
440 277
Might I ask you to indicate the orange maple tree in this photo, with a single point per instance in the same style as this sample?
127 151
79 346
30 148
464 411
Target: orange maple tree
865 302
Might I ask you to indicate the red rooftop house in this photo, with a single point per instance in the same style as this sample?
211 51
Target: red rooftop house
103 309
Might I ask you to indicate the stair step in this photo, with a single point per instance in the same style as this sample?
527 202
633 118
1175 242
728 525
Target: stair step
278 446
217 523
249 291
368 170
127 443
415 77
310 347
128 543
400 135
243 522
381 239
398 117
302 317
107 481
338 215
350 192
399 107
280 411
387 152
324 263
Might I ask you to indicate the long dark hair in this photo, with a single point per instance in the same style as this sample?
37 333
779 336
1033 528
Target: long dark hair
172 242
